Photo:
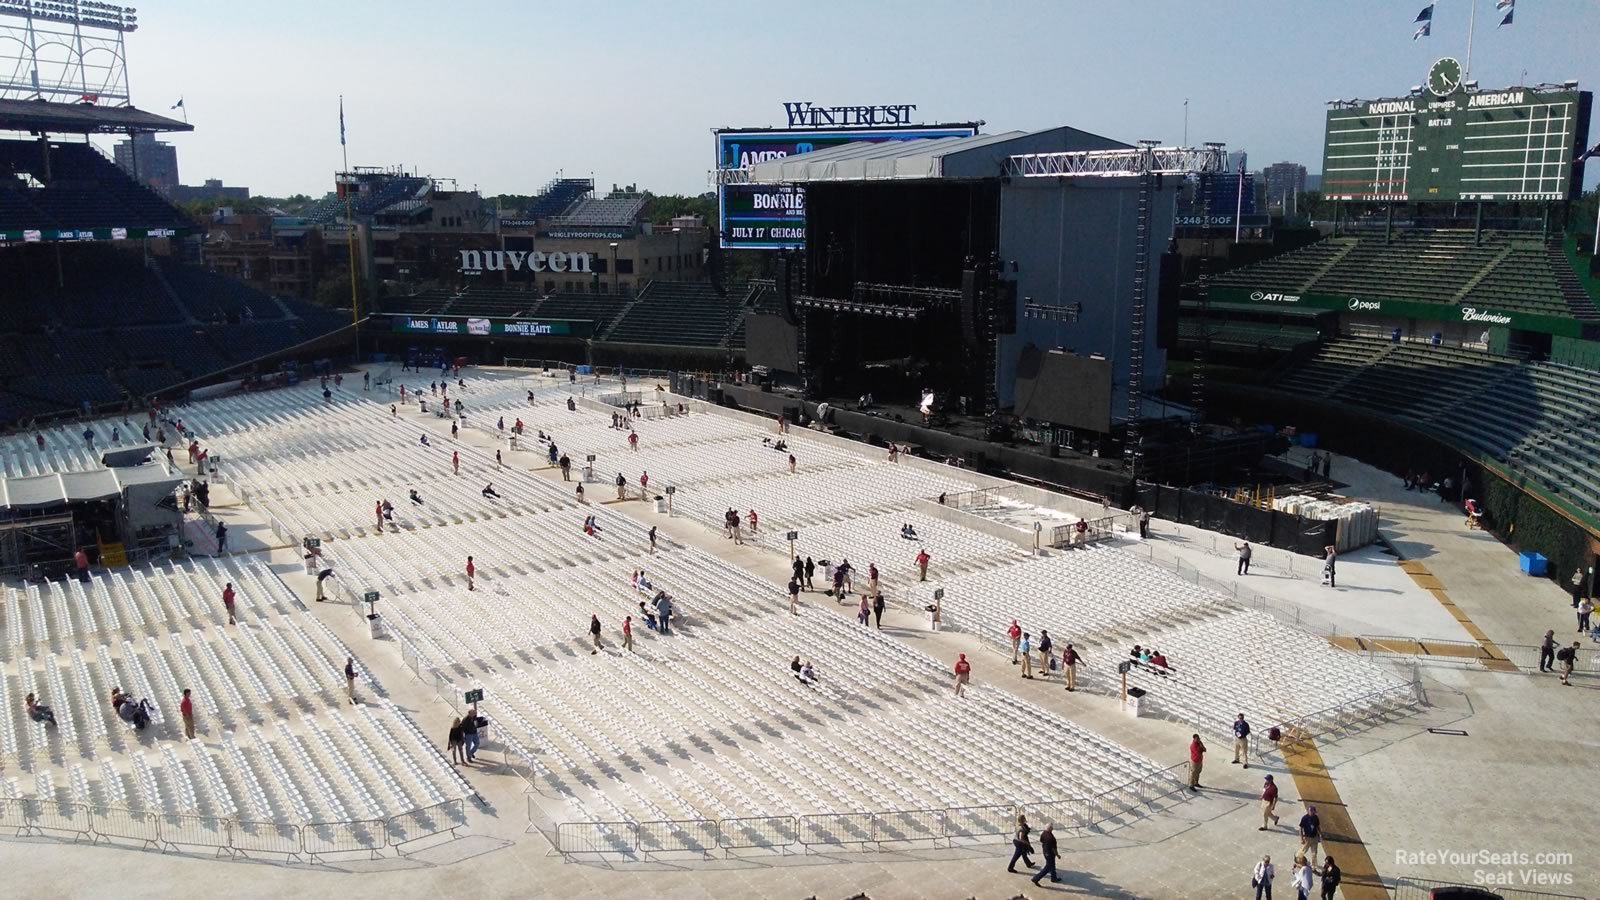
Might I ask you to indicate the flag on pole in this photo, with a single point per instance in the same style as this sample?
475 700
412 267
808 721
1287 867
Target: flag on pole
1591 153
1425 16
1507 19
179 104
341 120
1424 31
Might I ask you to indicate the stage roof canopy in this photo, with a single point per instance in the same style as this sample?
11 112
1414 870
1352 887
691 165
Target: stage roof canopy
979 156
42 116
37 491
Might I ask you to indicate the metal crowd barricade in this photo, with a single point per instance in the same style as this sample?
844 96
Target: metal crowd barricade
597 837
247 837
763 832
669 835
181 830
58 817
425 822
836 828
318 839
909 825
14 814
1064 814
980 822
128 825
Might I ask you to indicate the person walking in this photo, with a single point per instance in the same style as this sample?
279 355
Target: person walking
1331 877
963 673
454 742
644 484
798 567
1329 562
872 578
455 460
350 678
864 612
1310 834
1585 608
1197 761
1069 666
1241 741
811 571
222 537
1302 879
633 441
1243 549
651 534
1015 634
469 733
594 632
627 633
1547 652
1021 846
186 710
1568 657
1261 878
566 467
81 560
1046 646
227 601
1047 846
791 464
472 571
664 610
794 597
922 564
1025 649
1269 803
877 610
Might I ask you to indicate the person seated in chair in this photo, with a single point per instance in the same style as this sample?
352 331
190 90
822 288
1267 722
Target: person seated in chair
808 675
424 440
908 531
38 712
1158 661
648 616
489 491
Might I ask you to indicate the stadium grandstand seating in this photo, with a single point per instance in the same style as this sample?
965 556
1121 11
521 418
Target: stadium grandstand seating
685 313
210 297
1262 336
614 211
558 195
100 286
598 308
1504 270
1535 417
762 298
78 189
383 192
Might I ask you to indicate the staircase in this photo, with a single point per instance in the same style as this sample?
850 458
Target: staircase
604 328
1327 266
1578 299
114 554
1478 277
747 306
161 277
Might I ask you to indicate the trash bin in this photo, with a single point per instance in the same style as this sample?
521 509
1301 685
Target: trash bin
375 625
661 504
1532 563
1135 700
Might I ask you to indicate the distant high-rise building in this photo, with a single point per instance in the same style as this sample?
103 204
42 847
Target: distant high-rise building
1285 182
149 161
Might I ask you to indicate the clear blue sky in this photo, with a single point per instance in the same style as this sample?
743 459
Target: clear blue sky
500 95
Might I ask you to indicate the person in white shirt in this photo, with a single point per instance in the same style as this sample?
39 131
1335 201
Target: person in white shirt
1302 879
1262 877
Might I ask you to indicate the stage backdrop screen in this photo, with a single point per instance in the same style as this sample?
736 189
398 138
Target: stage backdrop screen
1512 144
773 217
1063 388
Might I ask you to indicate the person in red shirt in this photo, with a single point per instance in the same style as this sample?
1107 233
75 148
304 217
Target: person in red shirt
1015 634
627 633
753 521
633 440
81 560
377 510
644 481
791 464
471 571
1269 803
1069 665
1197 760
922 564
455 461
186 708
963 673
227 601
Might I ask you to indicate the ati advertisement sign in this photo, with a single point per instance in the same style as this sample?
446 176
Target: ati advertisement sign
476 262
472 326
773 217
1404 309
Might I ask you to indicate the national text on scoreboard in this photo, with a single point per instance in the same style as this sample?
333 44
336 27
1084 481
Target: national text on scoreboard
1449 143
773 217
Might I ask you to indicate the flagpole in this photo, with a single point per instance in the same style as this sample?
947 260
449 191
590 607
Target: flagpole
350 224
1472 22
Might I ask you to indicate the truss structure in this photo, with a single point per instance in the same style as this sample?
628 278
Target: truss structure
864 292
881 310
64 50
1050 312
1141 160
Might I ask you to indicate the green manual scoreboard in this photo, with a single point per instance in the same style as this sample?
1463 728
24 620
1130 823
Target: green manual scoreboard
1448 142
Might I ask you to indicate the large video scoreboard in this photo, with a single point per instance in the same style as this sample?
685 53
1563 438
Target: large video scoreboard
1450 143
773 217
